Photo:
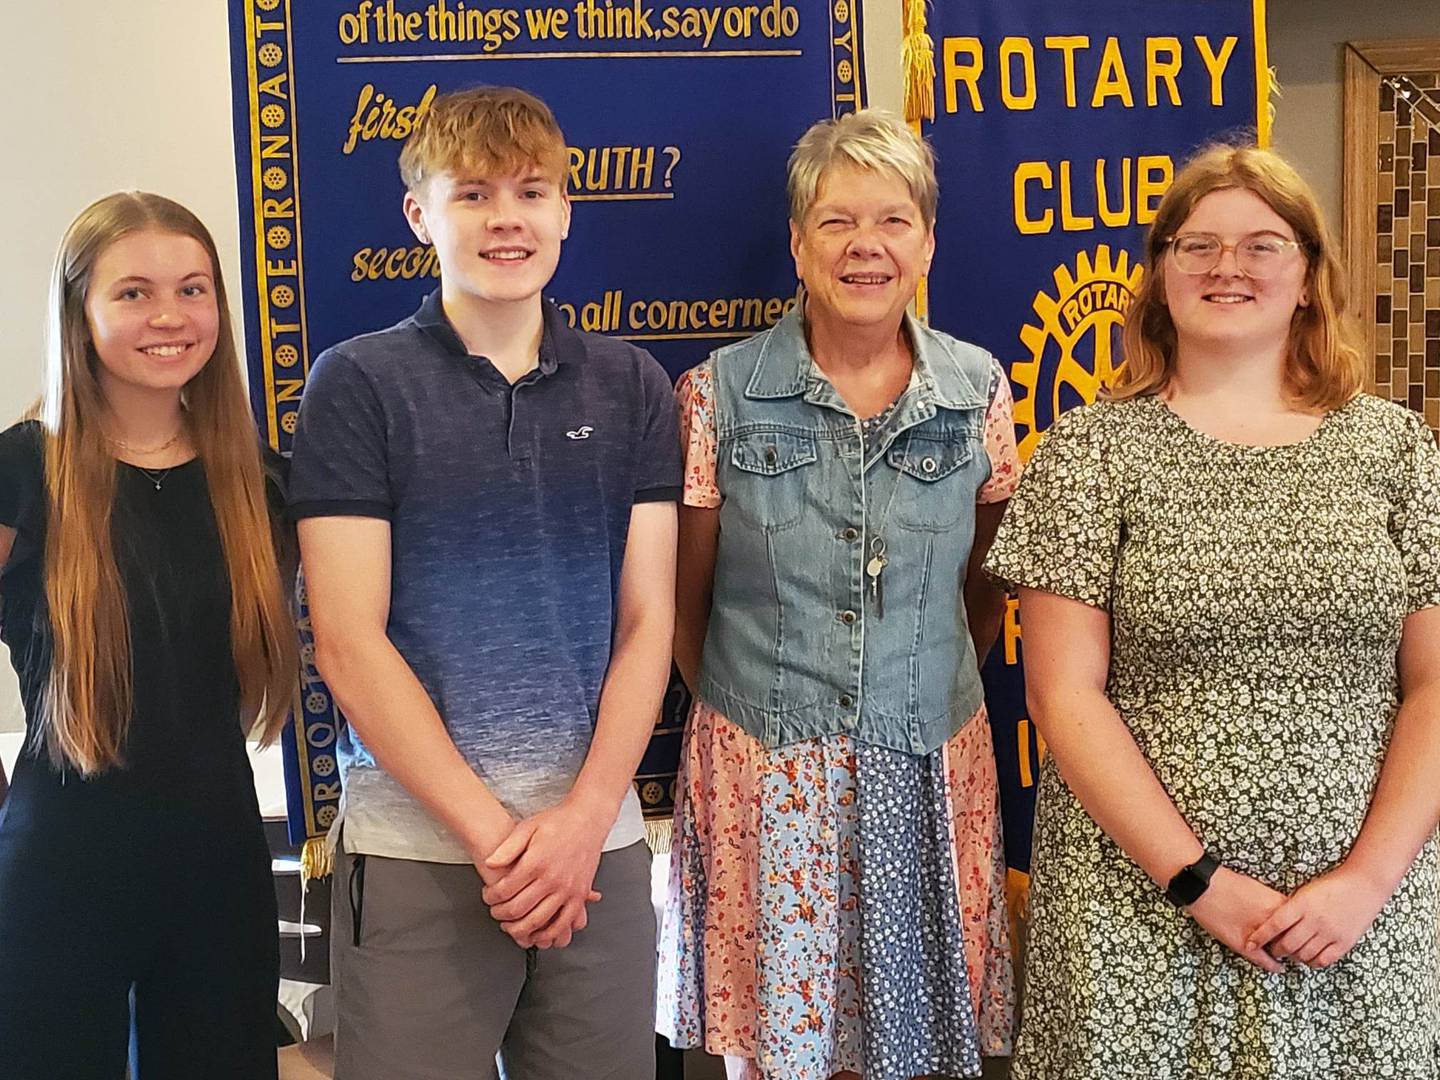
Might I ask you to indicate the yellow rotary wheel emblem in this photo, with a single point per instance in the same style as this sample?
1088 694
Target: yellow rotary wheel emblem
1075 349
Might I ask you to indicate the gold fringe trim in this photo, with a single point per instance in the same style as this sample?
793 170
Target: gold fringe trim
918 59
1017 903
1276 93
1267 87
658 834
316 859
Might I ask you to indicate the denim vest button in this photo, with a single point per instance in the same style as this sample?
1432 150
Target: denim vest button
851 533
847 617
769 455
928 465
846 701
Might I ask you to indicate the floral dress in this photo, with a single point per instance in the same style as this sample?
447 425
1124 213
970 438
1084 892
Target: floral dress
1256 597
797 932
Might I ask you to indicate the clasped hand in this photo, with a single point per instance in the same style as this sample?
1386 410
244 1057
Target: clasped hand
1315 926
541 876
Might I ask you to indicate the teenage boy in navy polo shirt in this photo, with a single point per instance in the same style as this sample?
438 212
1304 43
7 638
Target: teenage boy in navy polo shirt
486 505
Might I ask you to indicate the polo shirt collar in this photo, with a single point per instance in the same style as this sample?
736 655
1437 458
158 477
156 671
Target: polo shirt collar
559 343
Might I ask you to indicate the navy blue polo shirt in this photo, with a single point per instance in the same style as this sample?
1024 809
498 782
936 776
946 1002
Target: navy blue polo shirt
509 508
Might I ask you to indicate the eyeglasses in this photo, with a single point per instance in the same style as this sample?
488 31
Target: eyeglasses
1259 255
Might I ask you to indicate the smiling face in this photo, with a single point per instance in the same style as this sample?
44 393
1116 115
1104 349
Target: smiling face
862 247
151 310
1226 306
497 238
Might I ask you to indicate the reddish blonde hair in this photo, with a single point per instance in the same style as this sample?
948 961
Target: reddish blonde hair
1323 367
490 130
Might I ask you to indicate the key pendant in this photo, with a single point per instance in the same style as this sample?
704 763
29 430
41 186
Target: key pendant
875 570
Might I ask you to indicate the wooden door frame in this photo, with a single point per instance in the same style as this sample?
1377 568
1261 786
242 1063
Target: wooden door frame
1367 65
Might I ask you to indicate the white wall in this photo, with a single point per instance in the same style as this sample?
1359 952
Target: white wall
102 97
1306 51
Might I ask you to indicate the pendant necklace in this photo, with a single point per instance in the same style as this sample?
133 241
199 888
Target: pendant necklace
155 476
879 552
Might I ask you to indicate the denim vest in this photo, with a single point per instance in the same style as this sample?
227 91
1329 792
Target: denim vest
795 646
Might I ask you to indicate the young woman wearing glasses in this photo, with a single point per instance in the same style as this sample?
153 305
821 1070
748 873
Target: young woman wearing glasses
1230 587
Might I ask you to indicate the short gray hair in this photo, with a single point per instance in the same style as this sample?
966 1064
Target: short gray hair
871 139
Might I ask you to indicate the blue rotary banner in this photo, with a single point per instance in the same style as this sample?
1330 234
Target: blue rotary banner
1058 128
679 118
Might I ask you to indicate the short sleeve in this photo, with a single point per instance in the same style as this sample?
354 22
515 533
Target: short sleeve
657 474
1061 531
698 443
1000 443
1415 521
340 461
22 471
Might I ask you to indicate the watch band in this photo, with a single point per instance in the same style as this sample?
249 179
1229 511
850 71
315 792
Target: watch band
1190 883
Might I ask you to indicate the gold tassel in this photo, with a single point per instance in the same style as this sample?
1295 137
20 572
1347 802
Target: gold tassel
658 834
1275 94
316 860
918 58
1017 904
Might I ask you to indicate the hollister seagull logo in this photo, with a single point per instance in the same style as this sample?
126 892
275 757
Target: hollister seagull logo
582 432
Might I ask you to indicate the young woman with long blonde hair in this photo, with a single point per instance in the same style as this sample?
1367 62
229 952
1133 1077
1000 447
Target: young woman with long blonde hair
142 603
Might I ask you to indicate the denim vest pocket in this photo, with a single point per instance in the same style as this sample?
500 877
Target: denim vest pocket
931 470
770 476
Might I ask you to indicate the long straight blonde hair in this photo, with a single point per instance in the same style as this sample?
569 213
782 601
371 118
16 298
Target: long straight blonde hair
1323 366
89 698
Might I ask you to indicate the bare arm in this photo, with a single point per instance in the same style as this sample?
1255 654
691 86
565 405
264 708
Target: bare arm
694 586
1067 659
347 579
551 857
639 661
1406 804
984 600
1328 915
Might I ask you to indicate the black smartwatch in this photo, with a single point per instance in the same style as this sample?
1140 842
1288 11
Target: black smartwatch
1190 883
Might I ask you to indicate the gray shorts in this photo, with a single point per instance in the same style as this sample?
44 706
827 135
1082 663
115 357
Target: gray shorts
428 987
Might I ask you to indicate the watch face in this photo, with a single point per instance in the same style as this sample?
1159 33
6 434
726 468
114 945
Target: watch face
1190 883
1185 888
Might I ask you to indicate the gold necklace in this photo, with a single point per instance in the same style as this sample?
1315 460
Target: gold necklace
121 445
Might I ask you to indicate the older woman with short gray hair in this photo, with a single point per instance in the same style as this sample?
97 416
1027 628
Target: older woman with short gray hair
836 892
